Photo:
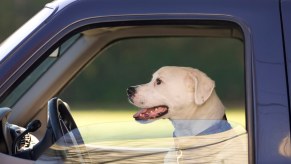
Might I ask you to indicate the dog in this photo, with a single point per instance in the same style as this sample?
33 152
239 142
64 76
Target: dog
187 97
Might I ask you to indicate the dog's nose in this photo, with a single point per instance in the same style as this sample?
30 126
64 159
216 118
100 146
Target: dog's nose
130 91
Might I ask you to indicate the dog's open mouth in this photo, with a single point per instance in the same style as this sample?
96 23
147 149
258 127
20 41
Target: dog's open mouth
151 113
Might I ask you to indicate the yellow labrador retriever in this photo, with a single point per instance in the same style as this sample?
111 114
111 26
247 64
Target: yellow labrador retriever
186 97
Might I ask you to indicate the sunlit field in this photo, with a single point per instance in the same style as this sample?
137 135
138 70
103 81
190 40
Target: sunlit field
92 116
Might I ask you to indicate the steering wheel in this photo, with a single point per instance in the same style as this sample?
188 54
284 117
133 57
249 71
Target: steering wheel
61 128
60 118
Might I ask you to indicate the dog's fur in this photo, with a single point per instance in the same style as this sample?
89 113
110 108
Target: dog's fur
188 93
179 94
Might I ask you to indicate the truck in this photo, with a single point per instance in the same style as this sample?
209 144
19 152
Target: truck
247 42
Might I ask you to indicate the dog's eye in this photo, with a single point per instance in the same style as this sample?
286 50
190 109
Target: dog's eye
158 81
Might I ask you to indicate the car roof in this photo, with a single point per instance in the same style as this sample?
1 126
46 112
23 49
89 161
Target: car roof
68 14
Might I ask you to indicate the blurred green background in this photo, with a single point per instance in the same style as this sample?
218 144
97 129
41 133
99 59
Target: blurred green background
132 61
102 84
99 92
14 13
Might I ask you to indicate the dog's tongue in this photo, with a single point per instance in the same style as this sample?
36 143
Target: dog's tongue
150 113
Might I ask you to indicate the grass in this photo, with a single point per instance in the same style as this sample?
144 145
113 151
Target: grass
92 116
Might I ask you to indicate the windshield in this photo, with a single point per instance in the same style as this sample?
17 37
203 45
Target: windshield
16 38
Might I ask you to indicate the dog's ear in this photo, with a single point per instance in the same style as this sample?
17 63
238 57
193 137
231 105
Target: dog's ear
203 86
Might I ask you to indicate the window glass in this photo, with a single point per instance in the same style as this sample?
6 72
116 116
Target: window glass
27 83
24 85
132 131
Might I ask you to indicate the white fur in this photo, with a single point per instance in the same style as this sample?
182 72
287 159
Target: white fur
193 106
189 94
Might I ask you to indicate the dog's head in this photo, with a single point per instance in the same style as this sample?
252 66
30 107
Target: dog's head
173 92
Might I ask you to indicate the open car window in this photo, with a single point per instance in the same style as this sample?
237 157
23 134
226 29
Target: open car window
100 104
96 71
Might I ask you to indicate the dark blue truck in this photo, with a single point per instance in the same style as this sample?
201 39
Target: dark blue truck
40 59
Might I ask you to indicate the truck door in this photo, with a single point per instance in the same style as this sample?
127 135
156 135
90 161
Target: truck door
286 27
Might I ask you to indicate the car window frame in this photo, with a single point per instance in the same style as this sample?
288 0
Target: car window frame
24 31
88 24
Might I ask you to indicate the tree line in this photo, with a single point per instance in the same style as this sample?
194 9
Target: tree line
14 13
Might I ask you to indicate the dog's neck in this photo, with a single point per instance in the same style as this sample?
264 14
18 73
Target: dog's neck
207 115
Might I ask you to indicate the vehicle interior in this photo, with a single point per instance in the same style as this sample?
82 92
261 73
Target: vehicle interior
33 112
